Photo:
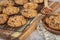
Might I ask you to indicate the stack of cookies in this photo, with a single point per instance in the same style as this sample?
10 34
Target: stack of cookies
15 13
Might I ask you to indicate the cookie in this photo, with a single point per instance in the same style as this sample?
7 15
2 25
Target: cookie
53 21
1 9
29 13
37 1
30 5
3 18
6 2
16 21
10 2
10 10
21 2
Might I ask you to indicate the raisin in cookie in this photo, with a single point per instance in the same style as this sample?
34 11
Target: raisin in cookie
36 1
53 21
3 18
6 2
21 2
30 5
16 21
10 10
29 13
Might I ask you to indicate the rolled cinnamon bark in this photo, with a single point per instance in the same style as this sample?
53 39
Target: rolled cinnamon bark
46 8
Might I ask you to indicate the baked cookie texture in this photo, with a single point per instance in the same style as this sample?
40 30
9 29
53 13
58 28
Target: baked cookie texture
37 1
16 21
3 18
21 2
10 2
30 5
29 13
10 10
14 12
53 21
1 9
6 2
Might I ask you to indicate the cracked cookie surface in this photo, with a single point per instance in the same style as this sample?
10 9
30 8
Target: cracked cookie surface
3 18
30 5
29 13
37 1
53 21
21 2
16 21
6 2
10 10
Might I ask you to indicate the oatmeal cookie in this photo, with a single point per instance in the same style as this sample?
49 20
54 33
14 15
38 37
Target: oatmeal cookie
6 2
3 18
30 5
21 2
10 2
10 10
16 21
29 13
53 21
36 1
0 9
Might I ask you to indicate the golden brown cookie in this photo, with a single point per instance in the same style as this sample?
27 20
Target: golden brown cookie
53 21
16 21
37 1
21 2
30 5
6 2
11 2
3 18
10 10
1 9
29 13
